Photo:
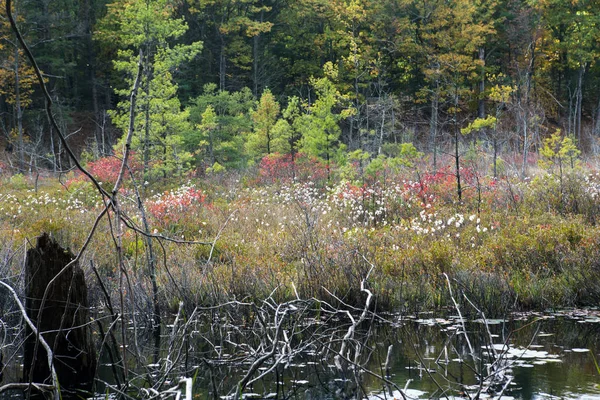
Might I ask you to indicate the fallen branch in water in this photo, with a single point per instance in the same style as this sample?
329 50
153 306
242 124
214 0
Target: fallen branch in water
50 355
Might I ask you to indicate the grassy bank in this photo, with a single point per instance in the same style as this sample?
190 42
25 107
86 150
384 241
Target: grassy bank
525 243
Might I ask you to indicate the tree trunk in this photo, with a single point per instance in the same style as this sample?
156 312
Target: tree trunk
433 125
222 66
457 161
597 125
495 145
255 61
146 148
481 106
19 111
525 145
63 318
579 101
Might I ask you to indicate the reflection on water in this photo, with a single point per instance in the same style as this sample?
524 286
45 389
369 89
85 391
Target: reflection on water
537 356
528 356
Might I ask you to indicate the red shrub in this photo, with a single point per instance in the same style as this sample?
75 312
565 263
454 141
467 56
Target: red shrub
280 168
172 207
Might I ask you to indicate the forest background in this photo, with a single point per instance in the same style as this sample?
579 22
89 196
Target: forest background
229 82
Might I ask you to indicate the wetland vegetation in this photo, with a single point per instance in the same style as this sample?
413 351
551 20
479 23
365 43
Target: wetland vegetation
300 199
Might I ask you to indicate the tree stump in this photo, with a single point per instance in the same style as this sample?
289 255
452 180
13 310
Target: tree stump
64 322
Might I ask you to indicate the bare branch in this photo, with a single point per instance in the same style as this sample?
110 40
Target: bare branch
49 353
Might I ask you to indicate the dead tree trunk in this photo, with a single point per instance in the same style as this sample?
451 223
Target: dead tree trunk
63 322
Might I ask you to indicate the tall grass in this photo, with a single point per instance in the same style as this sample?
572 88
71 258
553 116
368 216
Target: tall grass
532 243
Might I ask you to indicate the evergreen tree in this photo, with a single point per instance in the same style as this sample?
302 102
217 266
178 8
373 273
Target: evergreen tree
146 27
219 133
321 130
265 139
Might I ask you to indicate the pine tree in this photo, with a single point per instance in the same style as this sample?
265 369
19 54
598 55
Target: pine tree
147 28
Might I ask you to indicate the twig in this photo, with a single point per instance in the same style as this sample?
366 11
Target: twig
462 320
49 353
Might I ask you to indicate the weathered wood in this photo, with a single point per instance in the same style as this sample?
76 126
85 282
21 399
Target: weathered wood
64 321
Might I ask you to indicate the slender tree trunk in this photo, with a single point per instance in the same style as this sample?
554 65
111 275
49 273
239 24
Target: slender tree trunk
222 66
381 132
571 116
255 61
597 124
18 106
54 160
19 111
525 143
495 145
268 142
579 99
433 124
481 107
151 259
146 147
211 153
255 44
457 160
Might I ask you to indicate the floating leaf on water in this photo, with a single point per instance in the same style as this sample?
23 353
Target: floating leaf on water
548 396
594 320
578 350
301 365
396 395
523 353
490 321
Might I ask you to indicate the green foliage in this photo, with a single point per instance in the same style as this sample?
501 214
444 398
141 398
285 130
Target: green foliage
221 137
408 156
269 135
147 28
559 151
216 168
479 124
320 128
19 181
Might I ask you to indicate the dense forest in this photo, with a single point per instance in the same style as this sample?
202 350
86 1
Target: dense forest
227 82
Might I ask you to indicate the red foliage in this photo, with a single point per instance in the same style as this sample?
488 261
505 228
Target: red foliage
281 168
170 208
106 169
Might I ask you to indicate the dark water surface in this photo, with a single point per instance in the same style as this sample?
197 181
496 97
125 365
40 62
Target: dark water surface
527 356
536 356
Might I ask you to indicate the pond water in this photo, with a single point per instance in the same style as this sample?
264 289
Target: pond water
537 356
527 356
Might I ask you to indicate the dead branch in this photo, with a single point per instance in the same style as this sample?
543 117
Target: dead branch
50 355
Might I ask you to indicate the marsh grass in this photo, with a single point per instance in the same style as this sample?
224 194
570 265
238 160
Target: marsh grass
531 243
